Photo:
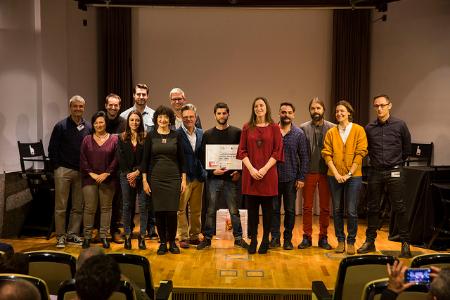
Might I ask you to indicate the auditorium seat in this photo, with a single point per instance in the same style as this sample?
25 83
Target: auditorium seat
353 274
426 260
373 290
52 266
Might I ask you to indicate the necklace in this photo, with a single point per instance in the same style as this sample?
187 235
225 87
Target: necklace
163 139
102 137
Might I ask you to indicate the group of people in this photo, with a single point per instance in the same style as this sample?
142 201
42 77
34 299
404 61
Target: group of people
158 157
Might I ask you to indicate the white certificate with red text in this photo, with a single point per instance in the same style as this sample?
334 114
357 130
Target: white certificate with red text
222 156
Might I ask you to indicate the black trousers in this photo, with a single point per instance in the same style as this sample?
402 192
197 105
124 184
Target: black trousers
253 203
392 180
166 223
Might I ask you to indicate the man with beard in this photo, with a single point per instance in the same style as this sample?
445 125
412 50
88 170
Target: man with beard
315 131
291 176
389 146
221 181
140 96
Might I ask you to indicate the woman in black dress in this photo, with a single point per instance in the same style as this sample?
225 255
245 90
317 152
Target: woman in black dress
164 176
130 152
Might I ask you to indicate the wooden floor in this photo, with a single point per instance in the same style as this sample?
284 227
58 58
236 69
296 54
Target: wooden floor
224 267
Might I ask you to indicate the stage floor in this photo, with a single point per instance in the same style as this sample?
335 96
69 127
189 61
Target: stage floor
225 268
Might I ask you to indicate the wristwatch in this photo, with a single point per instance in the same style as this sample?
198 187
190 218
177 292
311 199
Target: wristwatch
349 174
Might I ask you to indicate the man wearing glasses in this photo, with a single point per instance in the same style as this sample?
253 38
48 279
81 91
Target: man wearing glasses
389 146
177 100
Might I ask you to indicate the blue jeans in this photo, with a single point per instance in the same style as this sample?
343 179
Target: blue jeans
287 192
229 190
348 192
128 197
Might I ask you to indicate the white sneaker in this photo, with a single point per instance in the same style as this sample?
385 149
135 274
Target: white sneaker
73 239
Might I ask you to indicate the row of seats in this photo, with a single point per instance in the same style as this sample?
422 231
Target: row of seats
364 277
53 272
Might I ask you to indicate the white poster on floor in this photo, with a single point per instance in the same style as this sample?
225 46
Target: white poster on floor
224 227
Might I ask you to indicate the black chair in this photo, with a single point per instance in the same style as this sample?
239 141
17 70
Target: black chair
52 266
375 288
421 154
164 291
37 282
354 272
426 260
137 269
36 168
67 291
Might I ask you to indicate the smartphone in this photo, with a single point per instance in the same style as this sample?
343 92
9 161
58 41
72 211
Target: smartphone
418 275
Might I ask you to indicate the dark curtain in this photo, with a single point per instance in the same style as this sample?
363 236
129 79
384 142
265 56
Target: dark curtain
351 61
115 62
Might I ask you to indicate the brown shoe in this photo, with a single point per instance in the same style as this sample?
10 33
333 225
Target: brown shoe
350 249
340 247
117 238
184 244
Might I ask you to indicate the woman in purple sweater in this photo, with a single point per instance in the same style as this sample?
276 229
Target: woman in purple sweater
98 165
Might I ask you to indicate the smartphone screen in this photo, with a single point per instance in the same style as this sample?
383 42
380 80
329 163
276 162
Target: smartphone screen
418 275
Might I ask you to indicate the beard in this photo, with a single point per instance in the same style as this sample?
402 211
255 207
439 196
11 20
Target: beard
222 121
285 121
316 117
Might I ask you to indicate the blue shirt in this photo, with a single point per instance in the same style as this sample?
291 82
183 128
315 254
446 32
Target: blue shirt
65 143
147 116
296 159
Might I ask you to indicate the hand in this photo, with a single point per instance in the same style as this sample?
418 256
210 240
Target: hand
263 171
102 177
132 176
299 184
235 176
219 172
255 174
396 274
434 272
146 187
183 186
93 176
132 184
339 178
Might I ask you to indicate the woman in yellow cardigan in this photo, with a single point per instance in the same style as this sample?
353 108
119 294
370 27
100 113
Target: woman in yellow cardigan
343 151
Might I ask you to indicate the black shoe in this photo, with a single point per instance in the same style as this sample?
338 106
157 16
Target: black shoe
241 243
406 252
86 243
366 248
206 243
323 243
263 247
173 248
127 244
287 245
252 248
162 249
152 233
105 243
306 242
141 242
275 243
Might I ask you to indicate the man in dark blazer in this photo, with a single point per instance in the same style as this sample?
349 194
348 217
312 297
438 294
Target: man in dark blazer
188 232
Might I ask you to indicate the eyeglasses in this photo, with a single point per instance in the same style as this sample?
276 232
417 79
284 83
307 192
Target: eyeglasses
382 106
177 99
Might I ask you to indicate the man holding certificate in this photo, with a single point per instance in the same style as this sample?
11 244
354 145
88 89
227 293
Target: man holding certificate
220 145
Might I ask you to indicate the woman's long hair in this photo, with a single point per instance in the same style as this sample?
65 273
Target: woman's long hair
126 135
268 118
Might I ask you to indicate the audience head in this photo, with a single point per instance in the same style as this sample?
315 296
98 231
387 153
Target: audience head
189 115
16 263
87 253
316 109
99 122
287 113
344 111
112 105
97 278
76 106
140 94
260 108
177 99
440 286
19 290
166 113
